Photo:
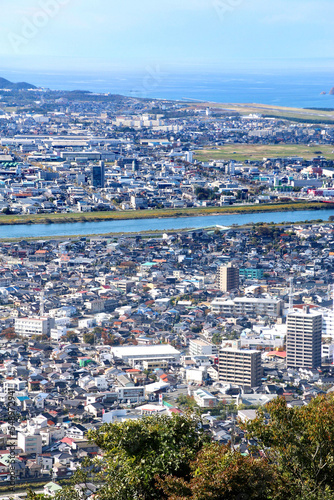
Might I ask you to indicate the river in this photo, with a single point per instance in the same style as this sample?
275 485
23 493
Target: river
163 224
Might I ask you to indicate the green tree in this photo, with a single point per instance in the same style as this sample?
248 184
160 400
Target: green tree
135 454
137 451
170 458
204 193
6 211
217 338
89 338
299 441
221 474
98 330
186 401
70 336
196 329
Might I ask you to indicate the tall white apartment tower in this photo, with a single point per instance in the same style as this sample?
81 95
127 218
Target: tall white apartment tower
303 339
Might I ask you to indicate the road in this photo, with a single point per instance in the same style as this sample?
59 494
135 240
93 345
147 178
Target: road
22 494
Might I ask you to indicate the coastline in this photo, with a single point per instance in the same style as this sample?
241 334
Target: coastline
8 220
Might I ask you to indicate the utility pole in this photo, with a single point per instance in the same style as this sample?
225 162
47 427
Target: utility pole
232 432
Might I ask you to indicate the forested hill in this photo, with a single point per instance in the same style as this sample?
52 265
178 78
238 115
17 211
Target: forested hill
6 84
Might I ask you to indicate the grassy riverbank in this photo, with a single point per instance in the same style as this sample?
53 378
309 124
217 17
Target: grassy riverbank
161 213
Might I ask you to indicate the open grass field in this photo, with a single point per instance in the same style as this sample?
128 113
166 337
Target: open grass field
161 213
242 152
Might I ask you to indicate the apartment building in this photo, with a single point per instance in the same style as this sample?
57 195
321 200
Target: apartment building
327 322
227 278
251 273
245 306
303 339
240 366
125 285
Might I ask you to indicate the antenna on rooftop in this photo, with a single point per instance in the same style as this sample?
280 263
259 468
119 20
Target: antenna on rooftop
333 297
291 295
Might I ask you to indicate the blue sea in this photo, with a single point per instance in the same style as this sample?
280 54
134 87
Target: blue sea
282 89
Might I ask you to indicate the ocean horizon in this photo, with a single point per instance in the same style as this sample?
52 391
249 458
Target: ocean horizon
302 90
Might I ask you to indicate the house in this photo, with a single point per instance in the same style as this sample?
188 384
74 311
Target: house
45 460
76 431
51 489
95 409
85 490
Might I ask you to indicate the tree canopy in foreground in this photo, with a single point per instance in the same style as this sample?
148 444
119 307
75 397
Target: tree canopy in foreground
172 458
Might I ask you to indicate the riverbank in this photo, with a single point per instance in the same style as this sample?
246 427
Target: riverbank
161 224
6 220
158 233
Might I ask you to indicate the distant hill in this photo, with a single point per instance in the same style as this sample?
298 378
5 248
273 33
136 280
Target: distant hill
6 84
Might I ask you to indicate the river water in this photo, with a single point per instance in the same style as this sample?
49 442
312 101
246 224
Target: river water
163 224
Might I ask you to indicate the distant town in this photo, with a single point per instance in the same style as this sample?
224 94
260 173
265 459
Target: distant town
103 329
72 152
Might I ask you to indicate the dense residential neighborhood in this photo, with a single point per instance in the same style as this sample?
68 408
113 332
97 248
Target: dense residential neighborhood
105 329
113 328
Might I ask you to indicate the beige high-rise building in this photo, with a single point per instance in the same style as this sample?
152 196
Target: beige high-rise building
240 366
228 278
303 339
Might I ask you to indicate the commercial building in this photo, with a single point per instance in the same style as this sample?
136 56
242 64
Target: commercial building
140 353
130 394
30 442
97 175
227 278
240 366
251 273
152 365
34 326
303 339
199 347
204 399
137 202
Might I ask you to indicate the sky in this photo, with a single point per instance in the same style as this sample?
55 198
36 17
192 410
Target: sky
179 35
